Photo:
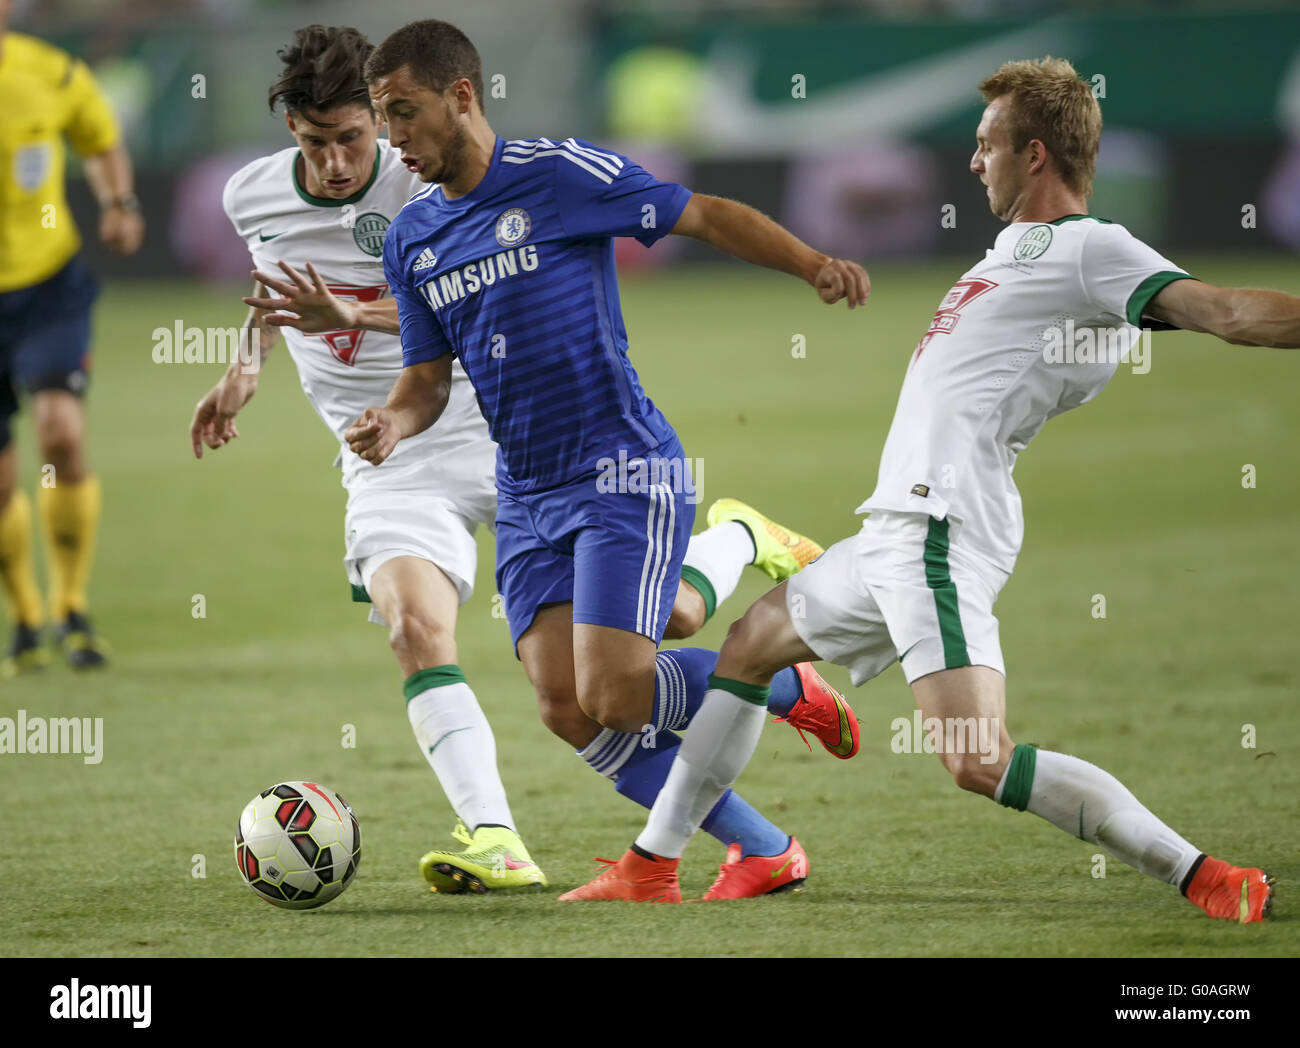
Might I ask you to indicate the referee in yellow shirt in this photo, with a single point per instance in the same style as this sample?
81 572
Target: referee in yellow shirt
46 294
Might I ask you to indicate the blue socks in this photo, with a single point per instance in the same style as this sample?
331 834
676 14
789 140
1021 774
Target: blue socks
682 678
734 819
786 691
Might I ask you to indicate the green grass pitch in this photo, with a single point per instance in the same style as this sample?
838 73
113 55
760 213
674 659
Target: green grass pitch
1138 497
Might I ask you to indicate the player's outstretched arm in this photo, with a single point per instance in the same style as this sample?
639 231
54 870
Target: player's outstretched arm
318 309
213 423
416 402
751 236
1242 316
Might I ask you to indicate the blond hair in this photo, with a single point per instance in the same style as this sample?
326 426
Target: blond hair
1050 103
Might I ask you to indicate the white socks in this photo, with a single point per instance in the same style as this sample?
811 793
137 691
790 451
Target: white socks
720 555
1091 804
722 739
457 741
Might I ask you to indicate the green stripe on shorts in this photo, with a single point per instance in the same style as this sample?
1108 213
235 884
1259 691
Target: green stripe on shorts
945 595
359 594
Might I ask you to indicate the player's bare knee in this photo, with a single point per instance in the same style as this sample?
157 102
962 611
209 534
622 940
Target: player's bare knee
563 717
615 702
685 621
688 614
412 632
746 653
60 430
62 449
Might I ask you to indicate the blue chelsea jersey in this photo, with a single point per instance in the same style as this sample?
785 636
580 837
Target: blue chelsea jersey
517 279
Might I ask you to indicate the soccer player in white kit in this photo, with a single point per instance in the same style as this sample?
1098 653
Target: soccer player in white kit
326 204
409 527
917 584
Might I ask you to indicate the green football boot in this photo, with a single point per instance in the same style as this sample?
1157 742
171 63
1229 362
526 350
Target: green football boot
494 859
780 551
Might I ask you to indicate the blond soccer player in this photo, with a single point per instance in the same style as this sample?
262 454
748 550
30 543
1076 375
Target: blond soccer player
917 584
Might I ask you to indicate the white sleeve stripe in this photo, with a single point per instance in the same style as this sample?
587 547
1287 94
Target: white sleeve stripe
559 152
608 161
421 195
523 148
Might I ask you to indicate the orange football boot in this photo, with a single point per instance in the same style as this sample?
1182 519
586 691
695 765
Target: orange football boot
1230 892
759 874
633 878
825 713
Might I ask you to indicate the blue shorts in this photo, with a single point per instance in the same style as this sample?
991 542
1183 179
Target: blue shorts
45 338
616 554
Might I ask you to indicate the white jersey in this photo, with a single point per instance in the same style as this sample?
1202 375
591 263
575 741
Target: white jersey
1036 328
344 372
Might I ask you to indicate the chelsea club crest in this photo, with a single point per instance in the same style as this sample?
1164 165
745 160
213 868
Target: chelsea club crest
513 227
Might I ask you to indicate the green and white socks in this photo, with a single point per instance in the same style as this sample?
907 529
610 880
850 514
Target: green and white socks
1075 796
1091 804
714 561
457 741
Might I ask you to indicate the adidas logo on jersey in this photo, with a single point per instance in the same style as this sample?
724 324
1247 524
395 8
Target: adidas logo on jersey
427 260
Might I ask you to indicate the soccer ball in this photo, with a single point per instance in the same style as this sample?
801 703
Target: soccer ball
298 845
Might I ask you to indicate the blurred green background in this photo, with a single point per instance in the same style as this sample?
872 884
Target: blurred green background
852 122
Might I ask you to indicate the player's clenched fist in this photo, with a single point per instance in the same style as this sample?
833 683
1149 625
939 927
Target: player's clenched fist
839 278
374 435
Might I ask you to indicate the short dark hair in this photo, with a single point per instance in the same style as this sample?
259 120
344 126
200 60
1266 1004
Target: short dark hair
322 71
437 53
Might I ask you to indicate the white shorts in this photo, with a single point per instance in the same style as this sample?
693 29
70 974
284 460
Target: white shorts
901 588
435 523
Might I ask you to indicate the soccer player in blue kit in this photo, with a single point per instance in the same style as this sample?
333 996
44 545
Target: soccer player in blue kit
507 262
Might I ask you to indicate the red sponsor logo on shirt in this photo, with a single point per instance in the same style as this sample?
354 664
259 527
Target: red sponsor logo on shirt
344 345
946 316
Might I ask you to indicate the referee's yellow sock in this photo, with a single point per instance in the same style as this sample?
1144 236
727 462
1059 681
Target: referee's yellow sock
70 520
16 561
